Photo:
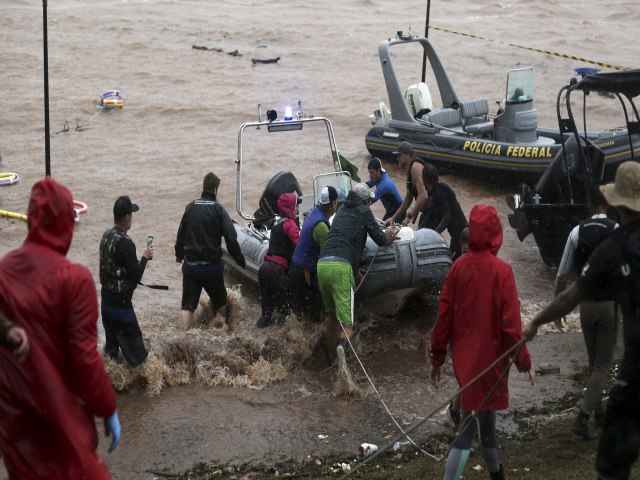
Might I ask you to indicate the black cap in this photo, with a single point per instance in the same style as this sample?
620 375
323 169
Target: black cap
123 206
404 147
375 164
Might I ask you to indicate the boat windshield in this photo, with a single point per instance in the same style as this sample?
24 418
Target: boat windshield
341 181
520 85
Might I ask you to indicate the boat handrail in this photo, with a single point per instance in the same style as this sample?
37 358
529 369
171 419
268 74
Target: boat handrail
280 126
261 234
440 127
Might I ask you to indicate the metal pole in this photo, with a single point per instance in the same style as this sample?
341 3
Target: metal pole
47 134
426 35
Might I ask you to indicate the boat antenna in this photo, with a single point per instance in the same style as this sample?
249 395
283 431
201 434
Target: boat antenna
426 35
47 135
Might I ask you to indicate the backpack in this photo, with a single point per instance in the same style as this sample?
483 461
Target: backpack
629 242
591 233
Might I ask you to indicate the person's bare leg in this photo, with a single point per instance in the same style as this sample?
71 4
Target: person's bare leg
184 324
332 336
348 329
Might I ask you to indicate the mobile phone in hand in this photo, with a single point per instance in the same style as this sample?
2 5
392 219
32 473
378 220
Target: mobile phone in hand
149 240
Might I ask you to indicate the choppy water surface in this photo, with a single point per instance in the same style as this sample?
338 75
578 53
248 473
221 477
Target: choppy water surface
242 394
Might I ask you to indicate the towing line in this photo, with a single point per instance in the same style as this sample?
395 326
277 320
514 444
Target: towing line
532 49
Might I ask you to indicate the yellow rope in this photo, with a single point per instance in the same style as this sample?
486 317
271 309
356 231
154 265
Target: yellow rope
19 216
532 49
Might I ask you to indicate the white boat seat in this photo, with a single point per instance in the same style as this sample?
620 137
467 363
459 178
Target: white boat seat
444 117
475 116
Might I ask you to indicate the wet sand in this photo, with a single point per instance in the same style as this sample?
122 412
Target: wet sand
250 395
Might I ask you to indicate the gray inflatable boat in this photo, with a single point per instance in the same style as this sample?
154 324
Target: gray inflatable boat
417 262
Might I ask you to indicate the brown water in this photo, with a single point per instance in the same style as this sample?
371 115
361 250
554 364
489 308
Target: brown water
242 394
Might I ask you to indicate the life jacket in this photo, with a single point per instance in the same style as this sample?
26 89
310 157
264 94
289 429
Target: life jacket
279 243
591 232
113 277
410 186
308 251
629 242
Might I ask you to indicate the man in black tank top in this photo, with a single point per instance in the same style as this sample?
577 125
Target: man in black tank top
415 187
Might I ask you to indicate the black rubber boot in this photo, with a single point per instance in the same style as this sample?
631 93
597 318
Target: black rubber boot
499 475
581 427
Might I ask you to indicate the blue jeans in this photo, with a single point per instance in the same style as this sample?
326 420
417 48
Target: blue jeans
123 333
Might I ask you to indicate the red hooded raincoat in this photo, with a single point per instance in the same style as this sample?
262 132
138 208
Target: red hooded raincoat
479 315
48 402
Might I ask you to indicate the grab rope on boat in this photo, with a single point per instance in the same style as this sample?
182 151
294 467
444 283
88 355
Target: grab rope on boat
405 433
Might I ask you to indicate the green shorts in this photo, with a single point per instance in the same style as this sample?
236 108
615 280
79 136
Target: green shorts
336 286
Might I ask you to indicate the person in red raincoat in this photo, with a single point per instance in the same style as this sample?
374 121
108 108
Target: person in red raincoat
48 401
479 317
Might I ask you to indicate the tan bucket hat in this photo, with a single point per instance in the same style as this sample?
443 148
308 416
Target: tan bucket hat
625 190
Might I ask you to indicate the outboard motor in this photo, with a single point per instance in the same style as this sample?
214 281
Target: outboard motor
558 202
281 182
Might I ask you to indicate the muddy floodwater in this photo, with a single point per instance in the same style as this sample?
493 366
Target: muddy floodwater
239 394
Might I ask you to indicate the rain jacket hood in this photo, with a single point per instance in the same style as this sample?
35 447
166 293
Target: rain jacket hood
485 229
287 205
50 216
479 317
49 401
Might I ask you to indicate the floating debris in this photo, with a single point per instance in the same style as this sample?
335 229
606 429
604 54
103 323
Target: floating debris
268 60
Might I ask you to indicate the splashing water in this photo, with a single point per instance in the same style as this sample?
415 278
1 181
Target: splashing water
345 386
214 353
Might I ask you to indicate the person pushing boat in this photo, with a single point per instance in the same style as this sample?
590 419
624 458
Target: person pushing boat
416 190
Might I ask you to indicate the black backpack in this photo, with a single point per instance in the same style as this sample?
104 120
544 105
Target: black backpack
629 242
588 240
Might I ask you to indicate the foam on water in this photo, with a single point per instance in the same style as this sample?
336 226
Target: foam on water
214 353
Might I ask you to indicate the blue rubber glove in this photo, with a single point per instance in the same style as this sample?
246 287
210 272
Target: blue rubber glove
112 427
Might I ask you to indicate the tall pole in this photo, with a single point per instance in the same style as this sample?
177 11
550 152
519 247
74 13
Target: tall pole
47 135
426 35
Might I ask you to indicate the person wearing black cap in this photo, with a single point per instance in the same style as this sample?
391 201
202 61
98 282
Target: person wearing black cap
120 272
204 223
386 190
303 270
415 186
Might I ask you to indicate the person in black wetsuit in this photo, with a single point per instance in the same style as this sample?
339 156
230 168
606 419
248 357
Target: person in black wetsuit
120 272
443 210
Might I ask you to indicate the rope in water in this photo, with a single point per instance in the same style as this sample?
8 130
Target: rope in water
367 374
518 345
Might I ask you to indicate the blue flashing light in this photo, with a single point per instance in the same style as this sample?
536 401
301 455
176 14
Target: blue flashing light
288 115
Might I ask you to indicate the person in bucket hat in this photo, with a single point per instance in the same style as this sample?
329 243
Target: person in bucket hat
612 272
